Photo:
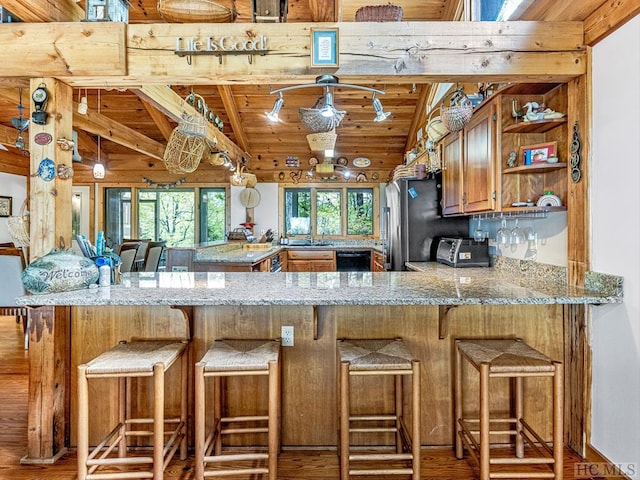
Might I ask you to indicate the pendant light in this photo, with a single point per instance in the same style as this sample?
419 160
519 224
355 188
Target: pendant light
98 167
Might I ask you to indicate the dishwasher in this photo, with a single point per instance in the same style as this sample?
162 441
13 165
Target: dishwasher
353 261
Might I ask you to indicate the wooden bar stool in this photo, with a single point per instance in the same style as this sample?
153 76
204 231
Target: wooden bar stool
513 359
378 358
237 358
125 362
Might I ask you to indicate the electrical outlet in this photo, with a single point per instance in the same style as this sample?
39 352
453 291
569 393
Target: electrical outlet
286 332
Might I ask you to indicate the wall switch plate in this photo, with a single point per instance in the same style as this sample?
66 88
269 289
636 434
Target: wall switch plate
286 334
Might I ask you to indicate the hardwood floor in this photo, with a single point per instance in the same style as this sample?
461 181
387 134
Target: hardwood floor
437 463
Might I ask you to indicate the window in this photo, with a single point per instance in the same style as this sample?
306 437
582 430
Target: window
168 215
335 212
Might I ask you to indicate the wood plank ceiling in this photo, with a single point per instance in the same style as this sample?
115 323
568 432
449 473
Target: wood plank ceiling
242 107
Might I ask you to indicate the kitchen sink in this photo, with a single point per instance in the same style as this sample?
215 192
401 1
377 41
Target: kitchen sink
308 243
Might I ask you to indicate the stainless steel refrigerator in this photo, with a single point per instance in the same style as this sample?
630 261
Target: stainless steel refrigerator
413 221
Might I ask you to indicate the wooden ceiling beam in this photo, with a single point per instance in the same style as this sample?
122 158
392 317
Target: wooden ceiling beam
8 137
98 124
169 102
323 10
418 116
234 116
608 18
159 118
45 10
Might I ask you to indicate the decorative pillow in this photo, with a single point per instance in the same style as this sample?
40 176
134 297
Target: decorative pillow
59 271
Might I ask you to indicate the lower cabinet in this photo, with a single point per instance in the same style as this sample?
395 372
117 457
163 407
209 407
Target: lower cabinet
311 260
377 262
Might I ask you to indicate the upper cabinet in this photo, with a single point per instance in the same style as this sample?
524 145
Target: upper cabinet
469 178
501 162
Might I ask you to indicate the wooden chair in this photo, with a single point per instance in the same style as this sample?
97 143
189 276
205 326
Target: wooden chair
515 360
369 358
143 244
152 256
127 253
125 362
11 266
241 359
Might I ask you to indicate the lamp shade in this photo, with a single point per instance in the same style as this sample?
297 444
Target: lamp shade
319 142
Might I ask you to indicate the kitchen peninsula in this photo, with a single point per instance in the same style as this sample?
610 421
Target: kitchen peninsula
428 309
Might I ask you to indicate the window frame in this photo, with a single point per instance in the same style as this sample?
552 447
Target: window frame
344 188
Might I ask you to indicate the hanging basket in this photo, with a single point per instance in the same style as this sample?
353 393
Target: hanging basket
379 13
197 11
194 124
436 129
315 122
458 112
319 142
183 152
18 227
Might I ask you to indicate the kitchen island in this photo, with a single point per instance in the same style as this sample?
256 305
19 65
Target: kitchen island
429 309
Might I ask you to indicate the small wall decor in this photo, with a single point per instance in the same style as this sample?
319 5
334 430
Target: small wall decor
6 206
292 162
65 172
40 97
574 159
165 186
324 47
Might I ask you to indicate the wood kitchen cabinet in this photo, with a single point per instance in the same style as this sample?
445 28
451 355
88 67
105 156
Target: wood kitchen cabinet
311 260
377 262
469 179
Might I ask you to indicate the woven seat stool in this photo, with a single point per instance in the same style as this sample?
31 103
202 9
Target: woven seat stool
532 456
125 362
379 357
242 359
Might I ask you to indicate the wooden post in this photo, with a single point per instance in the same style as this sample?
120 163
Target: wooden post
50 200
50 209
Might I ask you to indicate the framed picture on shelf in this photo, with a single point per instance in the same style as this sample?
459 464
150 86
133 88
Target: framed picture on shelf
5 206
539 153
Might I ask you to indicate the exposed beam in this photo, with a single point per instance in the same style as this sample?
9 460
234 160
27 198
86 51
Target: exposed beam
169 102
45 10
98 124
121 55
234 116
159 118
418 116
608 18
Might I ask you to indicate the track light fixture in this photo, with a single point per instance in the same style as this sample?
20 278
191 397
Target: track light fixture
327 110
273 115
381 115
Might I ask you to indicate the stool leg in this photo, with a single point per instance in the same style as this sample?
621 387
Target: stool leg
184 375
399 414
415 418
344 420
199 403
558 419
158 421
122 416
83 422
519 409
274 394
457 394
484 421
217 414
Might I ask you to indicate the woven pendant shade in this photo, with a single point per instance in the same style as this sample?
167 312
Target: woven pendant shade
324 168
197 11
319 142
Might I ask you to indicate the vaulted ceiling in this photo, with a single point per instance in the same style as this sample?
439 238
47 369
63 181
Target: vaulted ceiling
242 107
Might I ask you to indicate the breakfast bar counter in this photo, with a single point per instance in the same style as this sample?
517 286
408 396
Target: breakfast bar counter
427 308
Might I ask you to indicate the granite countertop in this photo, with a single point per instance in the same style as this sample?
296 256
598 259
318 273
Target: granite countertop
435 285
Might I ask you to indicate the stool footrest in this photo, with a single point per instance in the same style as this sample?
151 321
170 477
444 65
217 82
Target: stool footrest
399 471
245 418
380 456
373 430
233 431
235 457
367 418
236 472
120 461
119 475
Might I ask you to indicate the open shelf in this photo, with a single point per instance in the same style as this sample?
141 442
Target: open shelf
537 126
534 209
535 168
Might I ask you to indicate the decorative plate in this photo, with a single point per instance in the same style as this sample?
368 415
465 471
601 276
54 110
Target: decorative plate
43 138
47 170
313 161
361 162
342 161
